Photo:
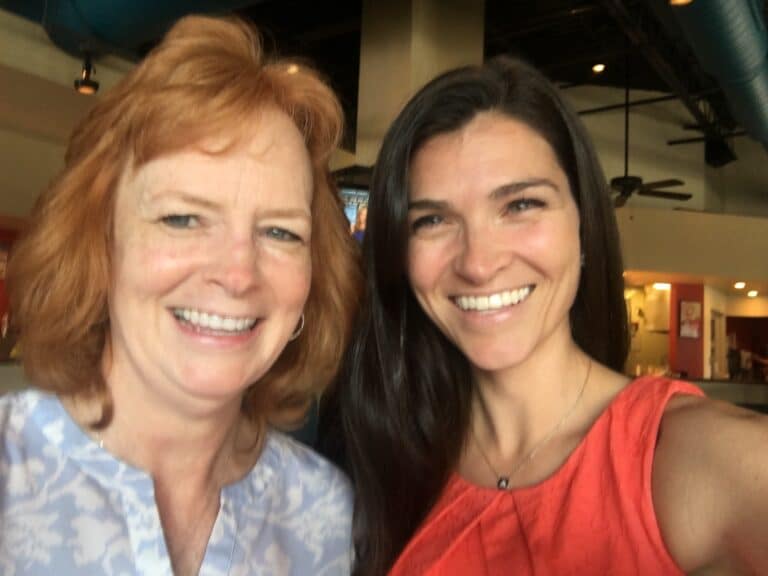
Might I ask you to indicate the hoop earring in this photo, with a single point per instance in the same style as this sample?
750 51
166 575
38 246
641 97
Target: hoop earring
299 330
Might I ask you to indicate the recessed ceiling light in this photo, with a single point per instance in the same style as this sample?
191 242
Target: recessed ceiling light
740 285
598 68
679 2
752 293
662 286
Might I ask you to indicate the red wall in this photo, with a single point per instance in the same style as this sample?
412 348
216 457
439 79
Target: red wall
751 333
686 355
6 239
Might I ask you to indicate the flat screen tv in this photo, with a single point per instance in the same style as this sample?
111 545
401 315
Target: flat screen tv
356 209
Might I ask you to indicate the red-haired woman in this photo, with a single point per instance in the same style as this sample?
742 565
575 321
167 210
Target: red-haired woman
188 283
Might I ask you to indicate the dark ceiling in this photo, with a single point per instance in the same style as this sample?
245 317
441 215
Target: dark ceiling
564 38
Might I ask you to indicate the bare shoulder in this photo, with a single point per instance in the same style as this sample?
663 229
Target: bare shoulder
710 485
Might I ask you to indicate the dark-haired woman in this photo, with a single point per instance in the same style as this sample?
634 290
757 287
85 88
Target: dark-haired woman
489 428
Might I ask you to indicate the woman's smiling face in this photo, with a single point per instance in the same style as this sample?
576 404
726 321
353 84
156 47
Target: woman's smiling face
211 264
494 252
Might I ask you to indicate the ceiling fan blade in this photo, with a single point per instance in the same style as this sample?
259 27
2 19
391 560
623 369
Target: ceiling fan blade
663 183
620 200
682 196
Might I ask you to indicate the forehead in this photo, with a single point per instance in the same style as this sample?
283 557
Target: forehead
491 146
266 130
267 145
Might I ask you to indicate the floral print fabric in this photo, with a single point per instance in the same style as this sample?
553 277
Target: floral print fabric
69 507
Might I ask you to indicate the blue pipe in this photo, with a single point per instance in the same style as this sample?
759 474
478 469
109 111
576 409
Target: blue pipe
121 26
730 41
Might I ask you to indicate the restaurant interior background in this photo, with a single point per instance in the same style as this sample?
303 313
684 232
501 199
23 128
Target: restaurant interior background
695 78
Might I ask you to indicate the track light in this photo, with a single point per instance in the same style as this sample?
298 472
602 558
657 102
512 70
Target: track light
85 84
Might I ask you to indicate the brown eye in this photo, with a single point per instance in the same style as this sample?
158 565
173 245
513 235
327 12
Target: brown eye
428 221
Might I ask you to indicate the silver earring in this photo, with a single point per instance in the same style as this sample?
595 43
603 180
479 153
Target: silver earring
583 260
299 330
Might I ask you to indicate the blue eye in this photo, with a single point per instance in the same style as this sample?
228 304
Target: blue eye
429 221
180 221
282 234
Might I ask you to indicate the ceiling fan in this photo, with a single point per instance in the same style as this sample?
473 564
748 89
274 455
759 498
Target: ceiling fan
628 185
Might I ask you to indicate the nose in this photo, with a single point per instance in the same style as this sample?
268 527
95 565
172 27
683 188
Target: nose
481 255
235 266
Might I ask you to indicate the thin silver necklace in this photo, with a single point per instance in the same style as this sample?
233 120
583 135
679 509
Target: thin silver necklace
503 480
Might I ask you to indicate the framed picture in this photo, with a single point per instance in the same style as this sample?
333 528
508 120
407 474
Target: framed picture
690 319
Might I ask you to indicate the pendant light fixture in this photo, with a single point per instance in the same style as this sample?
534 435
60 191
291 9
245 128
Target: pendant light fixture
85 84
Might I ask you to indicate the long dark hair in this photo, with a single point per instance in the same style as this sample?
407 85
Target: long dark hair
407 389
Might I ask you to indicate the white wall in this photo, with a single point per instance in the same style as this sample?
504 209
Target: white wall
744 183
38 108
11 378
694 243
27 163
740 187
650 126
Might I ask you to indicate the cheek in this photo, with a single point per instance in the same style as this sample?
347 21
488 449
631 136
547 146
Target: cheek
422 267
556 245
290 277
149 266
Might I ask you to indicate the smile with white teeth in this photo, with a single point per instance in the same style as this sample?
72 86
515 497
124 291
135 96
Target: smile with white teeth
495 301
214 322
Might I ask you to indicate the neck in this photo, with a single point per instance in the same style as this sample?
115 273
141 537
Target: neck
515 407
177 437
170 447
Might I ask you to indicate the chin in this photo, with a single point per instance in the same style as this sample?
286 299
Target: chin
221 383
494 360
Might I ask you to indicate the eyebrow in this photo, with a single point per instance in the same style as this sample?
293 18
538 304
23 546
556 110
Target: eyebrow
518 187
502 191
212 205
427 205
184 197
289 213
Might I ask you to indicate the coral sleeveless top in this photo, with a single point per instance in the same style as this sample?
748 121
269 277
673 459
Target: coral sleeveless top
594 515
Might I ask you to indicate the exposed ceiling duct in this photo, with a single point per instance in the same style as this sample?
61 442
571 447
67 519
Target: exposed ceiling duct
730 42
124 27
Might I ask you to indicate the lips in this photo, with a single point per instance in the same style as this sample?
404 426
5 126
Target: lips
214 322
494 301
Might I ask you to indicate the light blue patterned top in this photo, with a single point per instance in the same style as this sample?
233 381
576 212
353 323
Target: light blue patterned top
69 507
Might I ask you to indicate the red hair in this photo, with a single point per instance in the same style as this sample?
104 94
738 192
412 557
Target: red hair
207 77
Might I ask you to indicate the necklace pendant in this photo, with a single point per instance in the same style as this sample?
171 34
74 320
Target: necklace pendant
503 483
